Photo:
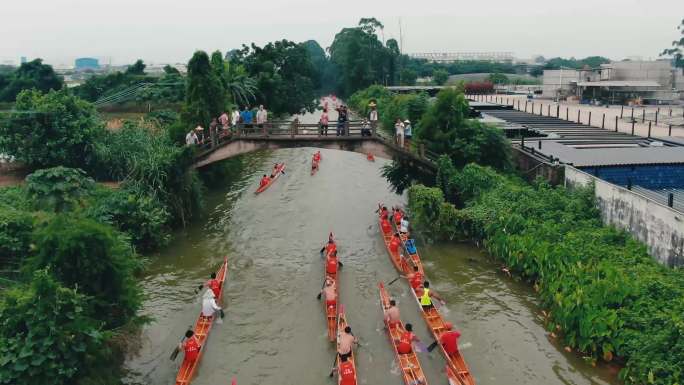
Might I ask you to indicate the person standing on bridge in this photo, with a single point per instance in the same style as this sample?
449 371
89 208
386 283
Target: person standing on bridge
235 118
408 134
246 116
399 132
191 138
261 116
224 120
341 119
323 122
373 115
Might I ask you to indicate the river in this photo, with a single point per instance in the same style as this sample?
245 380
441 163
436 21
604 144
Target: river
274 331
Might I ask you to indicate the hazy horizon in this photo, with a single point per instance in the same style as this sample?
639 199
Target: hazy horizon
163 32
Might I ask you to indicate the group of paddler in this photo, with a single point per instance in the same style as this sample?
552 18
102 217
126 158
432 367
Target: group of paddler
266 180
315 160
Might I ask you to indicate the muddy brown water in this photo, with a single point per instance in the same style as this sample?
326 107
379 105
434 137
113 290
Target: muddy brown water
274 331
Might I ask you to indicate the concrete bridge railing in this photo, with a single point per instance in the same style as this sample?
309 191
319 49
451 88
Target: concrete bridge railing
349 136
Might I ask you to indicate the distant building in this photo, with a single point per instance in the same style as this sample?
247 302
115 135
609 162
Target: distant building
86 63
640 82
23 60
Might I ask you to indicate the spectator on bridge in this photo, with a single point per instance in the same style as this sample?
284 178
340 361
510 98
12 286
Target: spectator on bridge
341 119
373 115
213 128
408 133
224 120
399 132
365 128
323 123
246 117
199 131
235 117
261 116
191 138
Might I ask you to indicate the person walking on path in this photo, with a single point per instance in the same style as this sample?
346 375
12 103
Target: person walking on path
323 122
408 134
399 132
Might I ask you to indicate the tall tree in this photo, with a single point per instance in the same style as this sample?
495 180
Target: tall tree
204 95
29 75
284 75
677 50
137 68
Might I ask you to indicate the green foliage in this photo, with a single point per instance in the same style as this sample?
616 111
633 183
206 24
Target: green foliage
390 106
163 117
170 88
91 257
440 76
498 78
16 228
58 189
325 72
137 68
408 77
140 216
677 49
14 197
46 335
284 74
150 163
605 295
445 129
30 75
57 130
591 62
205 97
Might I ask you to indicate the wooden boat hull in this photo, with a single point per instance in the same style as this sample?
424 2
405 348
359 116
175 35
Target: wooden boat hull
331 313
401 266
202 328
341 324
411 371
270 182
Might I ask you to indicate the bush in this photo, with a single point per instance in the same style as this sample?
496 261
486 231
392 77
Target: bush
84 254
605 295
52 129
46 335
58 189
16 228
14 197
143 218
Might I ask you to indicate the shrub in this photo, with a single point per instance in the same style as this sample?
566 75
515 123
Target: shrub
16 228
84 254
52 129
58 189
46 336
14 197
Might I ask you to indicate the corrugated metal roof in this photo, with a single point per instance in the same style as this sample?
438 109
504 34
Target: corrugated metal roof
620 83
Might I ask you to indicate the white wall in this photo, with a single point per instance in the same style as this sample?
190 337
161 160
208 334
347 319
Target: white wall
658 226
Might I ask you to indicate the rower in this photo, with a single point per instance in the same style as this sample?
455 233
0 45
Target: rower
317 156
384 212
347 341
427 296
392 316
209 306
264 180
406 339
385 225
415 278
330 293
347 372
190 347
331 246
394 243
213 284
449 339
397 215
314 164
331 263
404 225
275 170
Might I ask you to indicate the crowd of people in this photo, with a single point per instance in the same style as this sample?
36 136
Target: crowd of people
226 124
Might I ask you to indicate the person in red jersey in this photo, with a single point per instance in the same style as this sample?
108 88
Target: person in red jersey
405 343
347 371
449 339
190 346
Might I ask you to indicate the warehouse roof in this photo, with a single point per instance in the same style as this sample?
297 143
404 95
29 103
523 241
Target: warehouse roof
607 156
620 83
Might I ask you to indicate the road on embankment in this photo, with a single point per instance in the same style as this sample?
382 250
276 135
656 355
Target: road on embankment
274 331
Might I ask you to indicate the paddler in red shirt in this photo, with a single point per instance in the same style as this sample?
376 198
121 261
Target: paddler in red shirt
385 225
331 263
415 278
190 346
347 372
264 180
214 285
449 339
405 342
317 156
394 243
397 215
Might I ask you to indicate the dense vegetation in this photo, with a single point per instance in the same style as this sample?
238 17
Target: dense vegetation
676 50
30 75
605 296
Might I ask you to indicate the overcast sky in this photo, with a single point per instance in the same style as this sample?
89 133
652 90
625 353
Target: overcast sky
163 31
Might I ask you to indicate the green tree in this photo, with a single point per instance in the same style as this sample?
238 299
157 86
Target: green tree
169 70
58 189
137 68
46 334
284 75
440 76
50 129
91 257
30 75
408 77
677 49
16 229
498 78
204 95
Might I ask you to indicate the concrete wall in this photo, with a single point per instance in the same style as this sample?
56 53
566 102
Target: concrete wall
534 166
658 226
555 79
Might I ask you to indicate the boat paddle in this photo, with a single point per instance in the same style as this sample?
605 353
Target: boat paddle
332 371
176 350
394 280
318 297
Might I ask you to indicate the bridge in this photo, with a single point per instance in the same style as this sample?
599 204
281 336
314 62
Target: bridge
275 135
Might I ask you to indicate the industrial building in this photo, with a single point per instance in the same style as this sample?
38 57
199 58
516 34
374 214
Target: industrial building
86 63
624 82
